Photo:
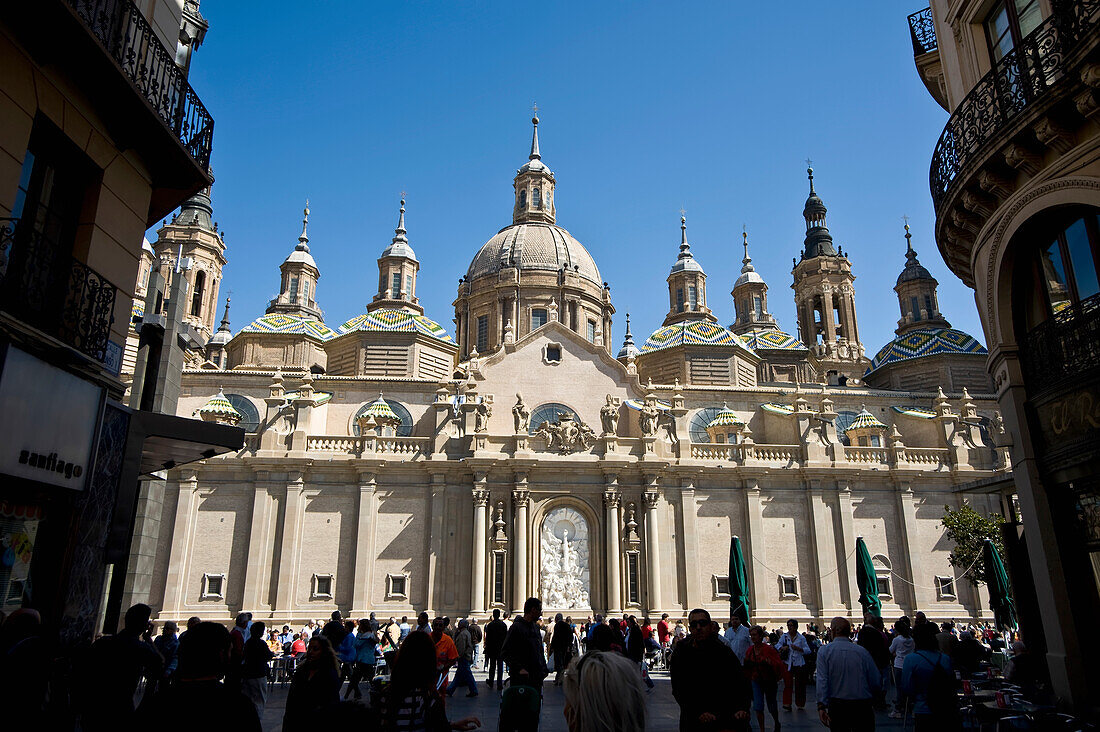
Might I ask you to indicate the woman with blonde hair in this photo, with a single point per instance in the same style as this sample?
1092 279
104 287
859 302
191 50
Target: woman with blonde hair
603 693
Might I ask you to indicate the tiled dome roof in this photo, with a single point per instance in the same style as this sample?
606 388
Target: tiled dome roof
864 420
220 406
396 321
292 324
926 342
534 246
692 333
770 338
726 418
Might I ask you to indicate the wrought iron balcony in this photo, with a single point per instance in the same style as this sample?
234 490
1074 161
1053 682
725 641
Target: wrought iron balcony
1020 79
1066 346
129 39
923 32
58 295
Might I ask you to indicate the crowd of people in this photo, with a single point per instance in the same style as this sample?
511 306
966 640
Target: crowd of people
722 679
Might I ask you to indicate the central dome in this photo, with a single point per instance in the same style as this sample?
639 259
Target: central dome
534 246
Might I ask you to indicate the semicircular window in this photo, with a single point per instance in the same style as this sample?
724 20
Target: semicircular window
697 428
548 413
406 428
844 421
250 416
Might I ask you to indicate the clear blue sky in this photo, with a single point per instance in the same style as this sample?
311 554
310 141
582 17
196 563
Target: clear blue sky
645 107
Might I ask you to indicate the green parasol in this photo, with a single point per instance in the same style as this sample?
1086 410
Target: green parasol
866 580
739 582
1000 600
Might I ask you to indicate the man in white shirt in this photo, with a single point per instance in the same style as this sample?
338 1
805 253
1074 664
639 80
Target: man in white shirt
737 637
793 648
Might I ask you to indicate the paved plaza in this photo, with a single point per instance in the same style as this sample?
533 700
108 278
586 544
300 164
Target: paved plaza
663 714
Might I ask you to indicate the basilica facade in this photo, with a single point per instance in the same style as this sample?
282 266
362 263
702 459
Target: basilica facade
393 465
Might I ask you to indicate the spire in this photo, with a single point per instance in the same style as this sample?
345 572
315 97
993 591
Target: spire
628 349
913 270
535 155
746 263
819 242
685 248
224 327
810 172
399 232
303 240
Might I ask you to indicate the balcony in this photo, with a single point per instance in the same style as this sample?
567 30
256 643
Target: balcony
1064 347
923 32
1019 82
59 296
108 49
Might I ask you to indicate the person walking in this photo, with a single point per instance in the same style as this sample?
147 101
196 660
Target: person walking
635 648
445 652
410 701
900 647
765 668
335 630
793 649
846 682
522 649
115 666
929 680
495 632
404 629
255 669
872 637
561 645
707 680
237 636
167 645
364 658
464 645
737 637
314 687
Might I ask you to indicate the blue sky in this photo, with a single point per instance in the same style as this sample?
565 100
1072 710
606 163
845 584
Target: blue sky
645 107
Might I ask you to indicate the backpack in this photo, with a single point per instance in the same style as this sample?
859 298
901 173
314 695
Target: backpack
520 708
940 695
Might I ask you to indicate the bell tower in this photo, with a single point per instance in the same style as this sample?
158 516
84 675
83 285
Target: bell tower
824 298
534 186
298 283
687 285
916 289
750 297
397 270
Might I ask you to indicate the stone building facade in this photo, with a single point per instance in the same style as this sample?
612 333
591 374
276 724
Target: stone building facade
392 468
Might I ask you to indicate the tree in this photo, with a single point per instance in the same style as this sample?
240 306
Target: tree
969 530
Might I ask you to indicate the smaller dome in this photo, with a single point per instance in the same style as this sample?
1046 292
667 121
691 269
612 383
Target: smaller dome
220 338
726 418
219 406
865 420
927 342
290 324
687 264
773 339
389 320
747 277
691 333
379 413
400 249
300 256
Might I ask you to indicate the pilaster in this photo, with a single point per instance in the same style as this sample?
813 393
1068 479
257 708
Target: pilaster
259 543
612 499
651 498
480 496
364 544
757 554
183 538
285 596
520 500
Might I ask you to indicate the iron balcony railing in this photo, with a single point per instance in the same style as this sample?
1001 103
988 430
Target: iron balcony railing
56 294
1017 81
127 36
923 32
1065 346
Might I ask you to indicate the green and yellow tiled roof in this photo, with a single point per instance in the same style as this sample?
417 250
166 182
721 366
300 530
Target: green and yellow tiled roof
769 338
726 418
219 405
389 320
381 413
784 409
137 312
865 420
290 324
691 333
919 412
926 342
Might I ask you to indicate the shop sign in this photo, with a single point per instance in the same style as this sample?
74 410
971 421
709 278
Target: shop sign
51 417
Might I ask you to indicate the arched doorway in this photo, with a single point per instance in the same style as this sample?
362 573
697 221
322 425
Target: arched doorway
565 581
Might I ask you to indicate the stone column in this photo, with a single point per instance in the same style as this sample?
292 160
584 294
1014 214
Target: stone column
827 314
480 496
259 543
757 554
364 546
651 498
520 500
288 550
847 575
433 589
823 549
695 594
907 514
612 498
183 535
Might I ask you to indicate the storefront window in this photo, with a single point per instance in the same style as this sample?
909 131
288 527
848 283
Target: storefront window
18 530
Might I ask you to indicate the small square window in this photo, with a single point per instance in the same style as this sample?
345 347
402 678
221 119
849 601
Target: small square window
884 586
397 586
538 318
322 586
788 585
213 587
721 584
551 353
945 588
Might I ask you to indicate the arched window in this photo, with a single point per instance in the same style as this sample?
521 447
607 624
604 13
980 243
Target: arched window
548 413
844 421
523 198
196 297
404 430
1058 278
536 198
293 291
882 575
250 416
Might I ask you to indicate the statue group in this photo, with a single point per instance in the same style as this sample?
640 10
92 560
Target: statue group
564 578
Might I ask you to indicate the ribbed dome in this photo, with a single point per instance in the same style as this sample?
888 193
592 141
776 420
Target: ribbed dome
534 246
388 320
927 342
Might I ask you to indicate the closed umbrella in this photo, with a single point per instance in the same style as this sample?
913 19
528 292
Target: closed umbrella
996 579
739 582
867 580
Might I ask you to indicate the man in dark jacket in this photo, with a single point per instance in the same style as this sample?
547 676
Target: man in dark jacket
335 630
495 631
872 638
707 680
522 649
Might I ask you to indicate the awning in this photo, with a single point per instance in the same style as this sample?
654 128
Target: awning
169 441
992 484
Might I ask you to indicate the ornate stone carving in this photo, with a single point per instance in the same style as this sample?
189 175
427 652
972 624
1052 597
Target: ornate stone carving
481 416
521 415
612 498
566 435
631 526
648 416
500 534
520 496
609 416
564 579
481 497
650 498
